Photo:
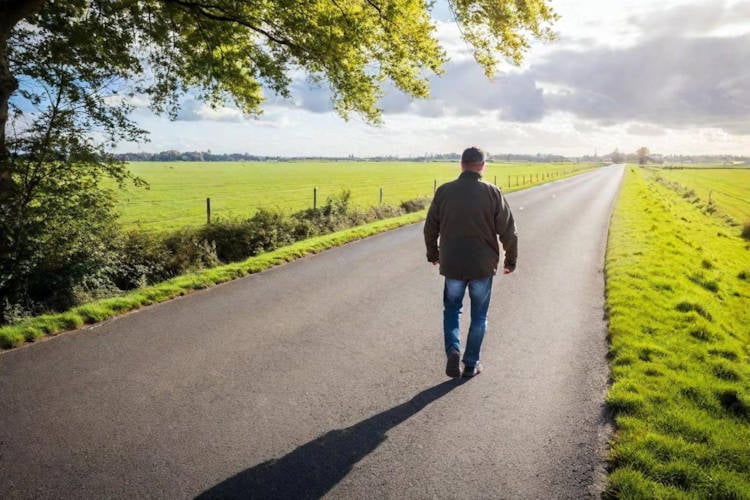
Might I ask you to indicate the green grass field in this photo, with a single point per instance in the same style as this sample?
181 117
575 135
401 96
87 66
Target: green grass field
678 288
178 190
729 189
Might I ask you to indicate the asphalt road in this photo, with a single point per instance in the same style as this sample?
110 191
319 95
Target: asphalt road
326 377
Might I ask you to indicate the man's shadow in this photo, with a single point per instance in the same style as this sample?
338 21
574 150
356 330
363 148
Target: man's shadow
315 467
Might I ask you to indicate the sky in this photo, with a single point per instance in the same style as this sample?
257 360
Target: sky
671 75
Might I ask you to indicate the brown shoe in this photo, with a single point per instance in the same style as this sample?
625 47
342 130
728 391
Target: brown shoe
453 366
472 371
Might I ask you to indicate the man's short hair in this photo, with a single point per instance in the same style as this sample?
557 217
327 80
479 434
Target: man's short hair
473 156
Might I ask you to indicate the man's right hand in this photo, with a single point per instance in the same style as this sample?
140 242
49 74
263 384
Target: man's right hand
507 271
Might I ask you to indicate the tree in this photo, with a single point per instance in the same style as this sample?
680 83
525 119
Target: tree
70 71
642 153
617 157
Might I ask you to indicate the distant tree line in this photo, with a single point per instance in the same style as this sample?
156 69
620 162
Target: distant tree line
174 155
615 156
643 156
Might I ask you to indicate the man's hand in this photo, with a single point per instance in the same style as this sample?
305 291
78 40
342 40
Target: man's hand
506 270
436 263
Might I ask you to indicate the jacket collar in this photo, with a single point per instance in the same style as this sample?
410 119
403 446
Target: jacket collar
468 174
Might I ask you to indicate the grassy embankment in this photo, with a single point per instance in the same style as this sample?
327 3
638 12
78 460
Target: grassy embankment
678 289
179 190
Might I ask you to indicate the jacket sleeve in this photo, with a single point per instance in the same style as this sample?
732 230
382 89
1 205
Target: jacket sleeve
505 226
432 230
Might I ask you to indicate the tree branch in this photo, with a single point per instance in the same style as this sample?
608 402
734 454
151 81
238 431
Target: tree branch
376 7
204 9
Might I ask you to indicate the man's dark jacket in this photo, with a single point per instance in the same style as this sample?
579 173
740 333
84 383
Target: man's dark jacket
469 215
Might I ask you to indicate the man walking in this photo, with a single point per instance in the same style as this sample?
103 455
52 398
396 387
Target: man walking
468 215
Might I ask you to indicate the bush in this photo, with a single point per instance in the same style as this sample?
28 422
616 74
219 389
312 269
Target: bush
269 230
334 215
231 238
142 261
187 251
414 205
746 230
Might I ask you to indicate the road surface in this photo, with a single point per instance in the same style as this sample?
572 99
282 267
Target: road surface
325 377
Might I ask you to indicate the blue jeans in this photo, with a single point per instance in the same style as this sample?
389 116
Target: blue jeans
480 291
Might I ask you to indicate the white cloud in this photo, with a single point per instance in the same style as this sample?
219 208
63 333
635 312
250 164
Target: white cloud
193 110
449 35
645 130
716 18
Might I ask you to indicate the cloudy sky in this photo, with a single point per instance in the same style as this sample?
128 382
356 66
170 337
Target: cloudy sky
673 75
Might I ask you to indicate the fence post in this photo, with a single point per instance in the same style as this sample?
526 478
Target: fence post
208 211
434 186
315 198
381 196
495 180
509 181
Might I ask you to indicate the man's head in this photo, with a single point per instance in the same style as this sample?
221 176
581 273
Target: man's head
473 159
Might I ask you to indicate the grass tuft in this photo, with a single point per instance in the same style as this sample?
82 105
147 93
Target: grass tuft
725 372
685 307
703 333
710 285
732 402
726 354
12 337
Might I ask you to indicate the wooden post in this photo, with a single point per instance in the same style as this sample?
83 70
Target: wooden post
509 181
315 198
208 211
434 186
381 196
495 180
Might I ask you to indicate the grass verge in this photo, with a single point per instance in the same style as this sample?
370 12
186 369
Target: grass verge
50 324
677 295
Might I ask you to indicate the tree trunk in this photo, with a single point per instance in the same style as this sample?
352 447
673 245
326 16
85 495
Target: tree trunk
8 85
11 13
